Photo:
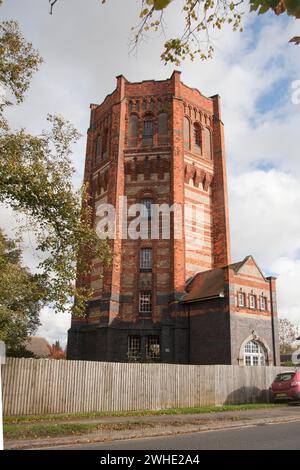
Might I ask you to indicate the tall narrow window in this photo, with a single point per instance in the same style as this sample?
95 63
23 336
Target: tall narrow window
152 347
146 259
263 303
134 347
145 304
186 132
105 144
197 138
146 210
133 130
208 148
148 132
252 301
99 149
162 128
241 299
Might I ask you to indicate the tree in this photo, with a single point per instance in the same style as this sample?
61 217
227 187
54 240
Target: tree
199 19
20 297
57 351
288 333
36 181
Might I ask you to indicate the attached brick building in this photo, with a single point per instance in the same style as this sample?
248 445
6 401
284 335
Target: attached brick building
169 300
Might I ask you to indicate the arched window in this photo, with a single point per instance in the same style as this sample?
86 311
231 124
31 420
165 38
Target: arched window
186 133
163 128
197 138
99 149
148 132
208 148
254 354
133 130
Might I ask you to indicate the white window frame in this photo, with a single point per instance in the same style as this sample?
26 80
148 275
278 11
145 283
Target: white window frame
252 301
254 354
146 259
241 299
145 302
263 303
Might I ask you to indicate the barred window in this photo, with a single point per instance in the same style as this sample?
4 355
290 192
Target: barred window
153 347
146 258
145 304
134 346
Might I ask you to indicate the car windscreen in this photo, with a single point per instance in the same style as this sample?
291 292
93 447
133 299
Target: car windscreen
285 377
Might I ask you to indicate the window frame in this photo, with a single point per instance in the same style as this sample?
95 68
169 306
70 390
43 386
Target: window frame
253 305
146 264
241 295
136 350
145 299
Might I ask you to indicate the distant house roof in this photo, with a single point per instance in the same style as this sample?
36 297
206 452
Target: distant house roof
205 285
38 345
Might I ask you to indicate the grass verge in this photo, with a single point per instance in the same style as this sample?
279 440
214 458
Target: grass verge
36 431
170 411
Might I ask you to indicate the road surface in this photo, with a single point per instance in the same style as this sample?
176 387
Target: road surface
262 437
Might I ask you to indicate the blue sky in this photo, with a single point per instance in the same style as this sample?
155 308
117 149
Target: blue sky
86 47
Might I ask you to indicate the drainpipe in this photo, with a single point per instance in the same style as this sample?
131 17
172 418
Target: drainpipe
271 279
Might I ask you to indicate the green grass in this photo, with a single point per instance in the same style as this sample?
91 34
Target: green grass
36 431
170 411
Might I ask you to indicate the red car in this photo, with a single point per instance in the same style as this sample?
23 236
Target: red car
286 387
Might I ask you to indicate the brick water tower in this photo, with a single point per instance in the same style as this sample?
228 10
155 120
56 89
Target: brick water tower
155 142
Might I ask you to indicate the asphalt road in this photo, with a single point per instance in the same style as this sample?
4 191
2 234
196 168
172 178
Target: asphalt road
263 437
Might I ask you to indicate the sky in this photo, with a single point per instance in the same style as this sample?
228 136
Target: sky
85 45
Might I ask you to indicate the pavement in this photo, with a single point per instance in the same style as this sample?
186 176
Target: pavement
162 425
